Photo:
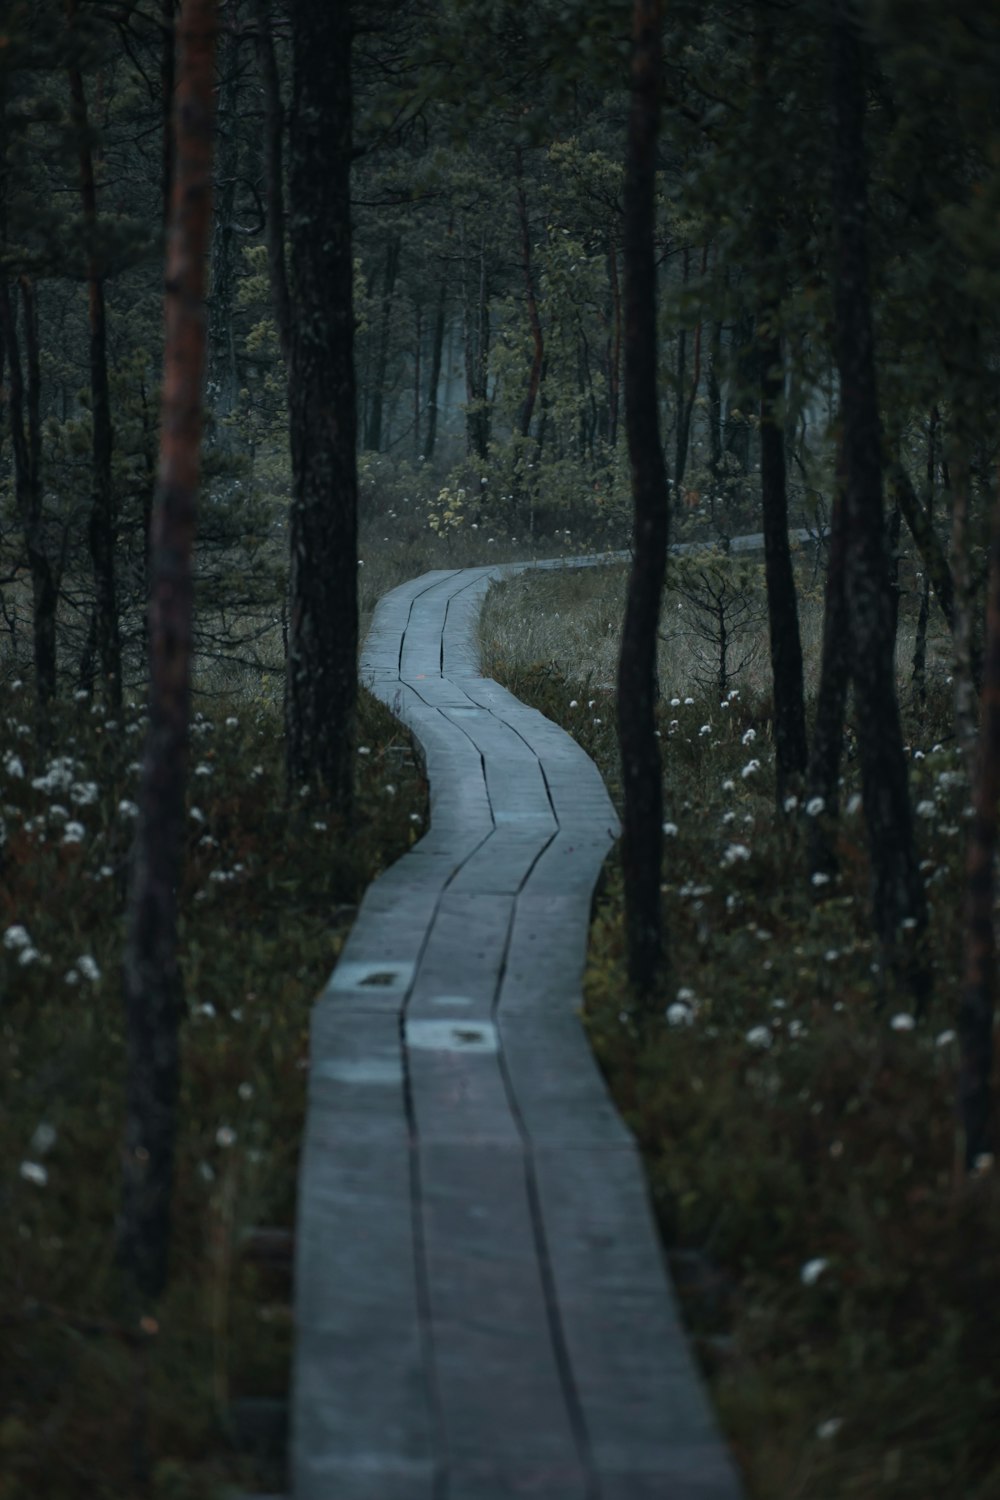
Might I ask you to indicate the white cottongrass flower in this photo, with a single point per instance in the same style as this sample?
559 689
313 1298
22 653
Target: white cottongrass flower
14 767
903 1021
813 1270
944 1038
669 830
925 809
128 809
791 803
33 1171
573 703
688 702
83 793
815 806
16 937
853 804
203 769
245 1091
829 1429
749 736
232 722
28 956
74 833
705 729
364 750
679 1014
196 815
71 977
750 769
760 1037
819 879
88 968
225 1136
734 854
58 813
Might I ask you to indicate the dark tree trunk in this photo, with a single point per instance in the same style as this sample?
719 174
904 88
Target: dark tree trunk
715 409
24 409
615 352
979 973
685 411
932 554
919 674
152 981
418 339
167 78
641 769
898 892
437 351
373 435
791 751
823 777
103 521
223 377
476 317
274 187
321 685
534 318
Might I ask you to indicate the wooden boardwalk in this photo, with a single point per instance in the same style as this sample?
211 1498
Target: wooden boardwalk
482 1309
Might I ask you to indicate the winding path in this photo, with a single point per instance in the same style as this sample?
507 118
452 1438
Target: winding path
482 1309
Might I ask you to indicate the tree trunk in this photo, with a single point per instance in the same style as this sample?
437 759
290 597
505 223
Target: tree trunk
964 693
615 352
476 319
373 435
152 980
534 318
437 350
321 683
932 554
715 411
223 378
24 409
102 524
791 752
274 189
900 911
641 769
919 674
823 776
979 972
168 72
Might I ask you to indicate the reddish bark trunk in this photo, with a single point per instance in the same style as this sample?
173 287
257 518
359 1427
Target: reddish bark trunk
152 981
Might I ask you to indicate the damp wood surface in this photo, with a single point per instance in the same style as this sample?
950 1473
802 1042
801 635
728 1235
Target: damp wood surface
482 1307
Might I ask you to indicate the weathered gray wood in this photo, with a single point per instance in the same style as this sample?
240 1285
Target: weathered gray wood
481 1301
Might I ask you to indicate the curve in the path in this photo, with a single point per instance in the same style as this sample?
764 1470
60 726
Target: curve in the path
482 1310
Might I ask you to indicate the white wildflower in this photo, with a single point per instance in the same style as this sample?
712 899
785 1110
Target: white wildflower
679 1014
71 977
853 804
749 736
791 803
750 769
734 854
28 956
925 809
16 937
813 1270
33 1171
225 1136
128 809
903 1021
88 968
829 1429
74 833
944 1038
43 1138
815 806
669 830
760 1037
83 793
819 879
14 767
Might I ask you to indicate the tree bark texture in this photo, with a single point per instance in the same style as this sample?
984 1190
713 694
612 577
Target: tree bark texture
932 554
376 396
24 409
168 72
615 349
823 776
899 905
102 524
476 319
152 981
321 684
437 351
274 180
791 750
979 971
534 317
223 377
642 835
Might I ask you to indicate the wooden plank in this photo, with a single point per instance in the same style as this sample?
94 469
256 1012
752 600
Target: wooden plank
360 1380
503 1402
640 1392
557 1087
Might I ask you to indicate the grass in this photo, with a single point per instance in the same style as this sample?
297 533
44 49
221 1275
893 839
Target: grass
800 1141
91 1404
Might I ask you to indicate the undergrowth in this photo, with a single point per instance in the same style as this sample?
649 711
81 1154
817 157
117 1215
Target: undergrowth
797 1125
93 1406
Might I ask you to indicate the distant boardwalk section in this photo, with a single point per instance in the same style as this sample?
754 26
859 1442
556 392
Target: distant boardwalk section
482 1310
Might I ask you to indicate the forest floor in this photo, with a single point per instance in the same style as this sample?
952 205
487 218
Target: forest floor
799 1133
